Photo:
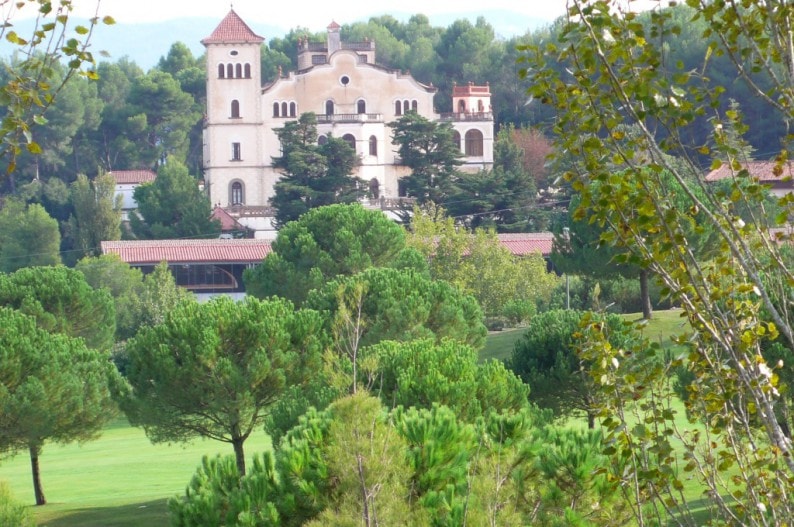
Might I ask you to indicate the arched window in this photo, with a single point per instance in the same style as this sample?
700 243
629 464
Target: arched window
322 140
414 106
293 109
230 71
236 194
373 145
329 107
474 143
275 109
461 106
374 188
247 71
406 106
398 108
480 106
221 71
456 139
238 70
351 140
235 109
361 106
284 109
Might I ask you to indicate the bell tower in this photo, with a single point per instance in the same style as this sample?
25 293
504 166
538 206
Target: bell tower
232 145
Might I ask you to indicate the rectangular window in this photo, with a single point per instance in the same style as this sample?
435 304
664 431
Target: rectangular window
236 152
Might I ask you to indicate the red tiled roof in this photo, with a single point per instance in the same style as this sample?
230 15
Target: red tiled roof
763 171
524 243
333 25
228 223
132 177
232 29
253 251
188 251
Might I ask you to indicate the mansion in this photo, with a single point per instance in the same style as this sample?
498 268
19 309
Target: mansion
353 97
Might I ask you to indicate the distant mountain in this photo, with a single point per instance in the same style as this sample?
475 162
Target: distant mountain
145 43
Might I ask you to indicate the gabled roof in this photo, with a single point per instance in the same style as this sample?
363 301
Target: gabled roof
763 171
132 177
140 252
232 29
333 25
228 222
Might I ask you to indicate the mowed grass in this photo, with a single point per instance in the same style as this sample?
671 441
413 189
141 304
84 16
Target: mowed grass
664 324
119 480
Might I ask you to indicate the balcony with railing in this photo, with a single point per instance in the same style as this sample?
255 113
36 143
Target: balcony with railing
466 116
350 118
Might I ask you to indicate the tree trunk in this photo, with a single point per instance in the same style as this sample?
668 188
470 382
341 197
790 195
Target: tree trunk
645 295
591 420
239 454
35 450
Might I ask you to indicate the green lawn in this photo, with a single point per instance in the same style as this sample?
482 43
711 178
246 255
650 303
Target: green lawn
119 480
663 324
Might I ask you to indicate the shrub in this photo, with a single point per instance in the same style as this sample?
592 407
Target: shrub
13 512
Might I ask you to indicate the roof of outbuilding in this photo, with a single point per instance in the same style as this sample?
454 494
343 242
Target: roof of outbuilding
232 29
524 243
188 251
139 252
763 171
131 177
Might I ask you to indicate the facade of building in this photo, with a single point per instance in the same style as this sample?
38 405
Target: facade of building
779 177
126 183
353 97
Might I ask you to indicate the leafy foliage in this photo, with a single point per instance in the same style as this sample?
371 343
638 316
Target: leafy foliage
429 151
405 305
172 206
28 237
614 77
97 212
322 244
52 388
61 302
313 175
213 369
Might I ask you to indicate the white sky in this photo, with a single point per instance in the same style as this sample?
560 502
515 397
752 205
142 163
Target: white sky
314 14
311 13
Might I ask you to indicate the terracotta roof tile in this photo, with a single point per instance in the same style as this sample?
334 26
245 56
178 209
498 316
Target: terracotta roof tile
188 251
763 171
524 243
138 252
232 29
333 25
228 222
131 177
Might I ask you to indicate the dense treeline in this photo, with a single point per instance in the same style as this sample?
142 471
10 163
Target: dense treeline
132 119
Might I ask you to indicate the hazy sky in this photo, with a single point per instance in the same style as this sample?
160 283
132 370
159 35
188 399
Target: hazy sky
314 14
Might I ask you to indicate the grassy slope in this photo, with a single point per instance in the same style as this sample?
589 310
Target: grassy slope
119 480
499 344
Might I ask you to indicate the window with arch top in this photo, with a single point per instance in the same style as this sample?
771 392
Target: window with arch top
351 140
275 109
474 143
456 138
329 107
236 193
238 70
230 71
361 106
293 109
398 108
284 109
235 109
373 145
247 68
221 71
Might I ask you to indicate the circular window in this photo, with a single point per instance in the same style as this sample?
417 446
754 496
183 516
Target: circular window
233 53
345 80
